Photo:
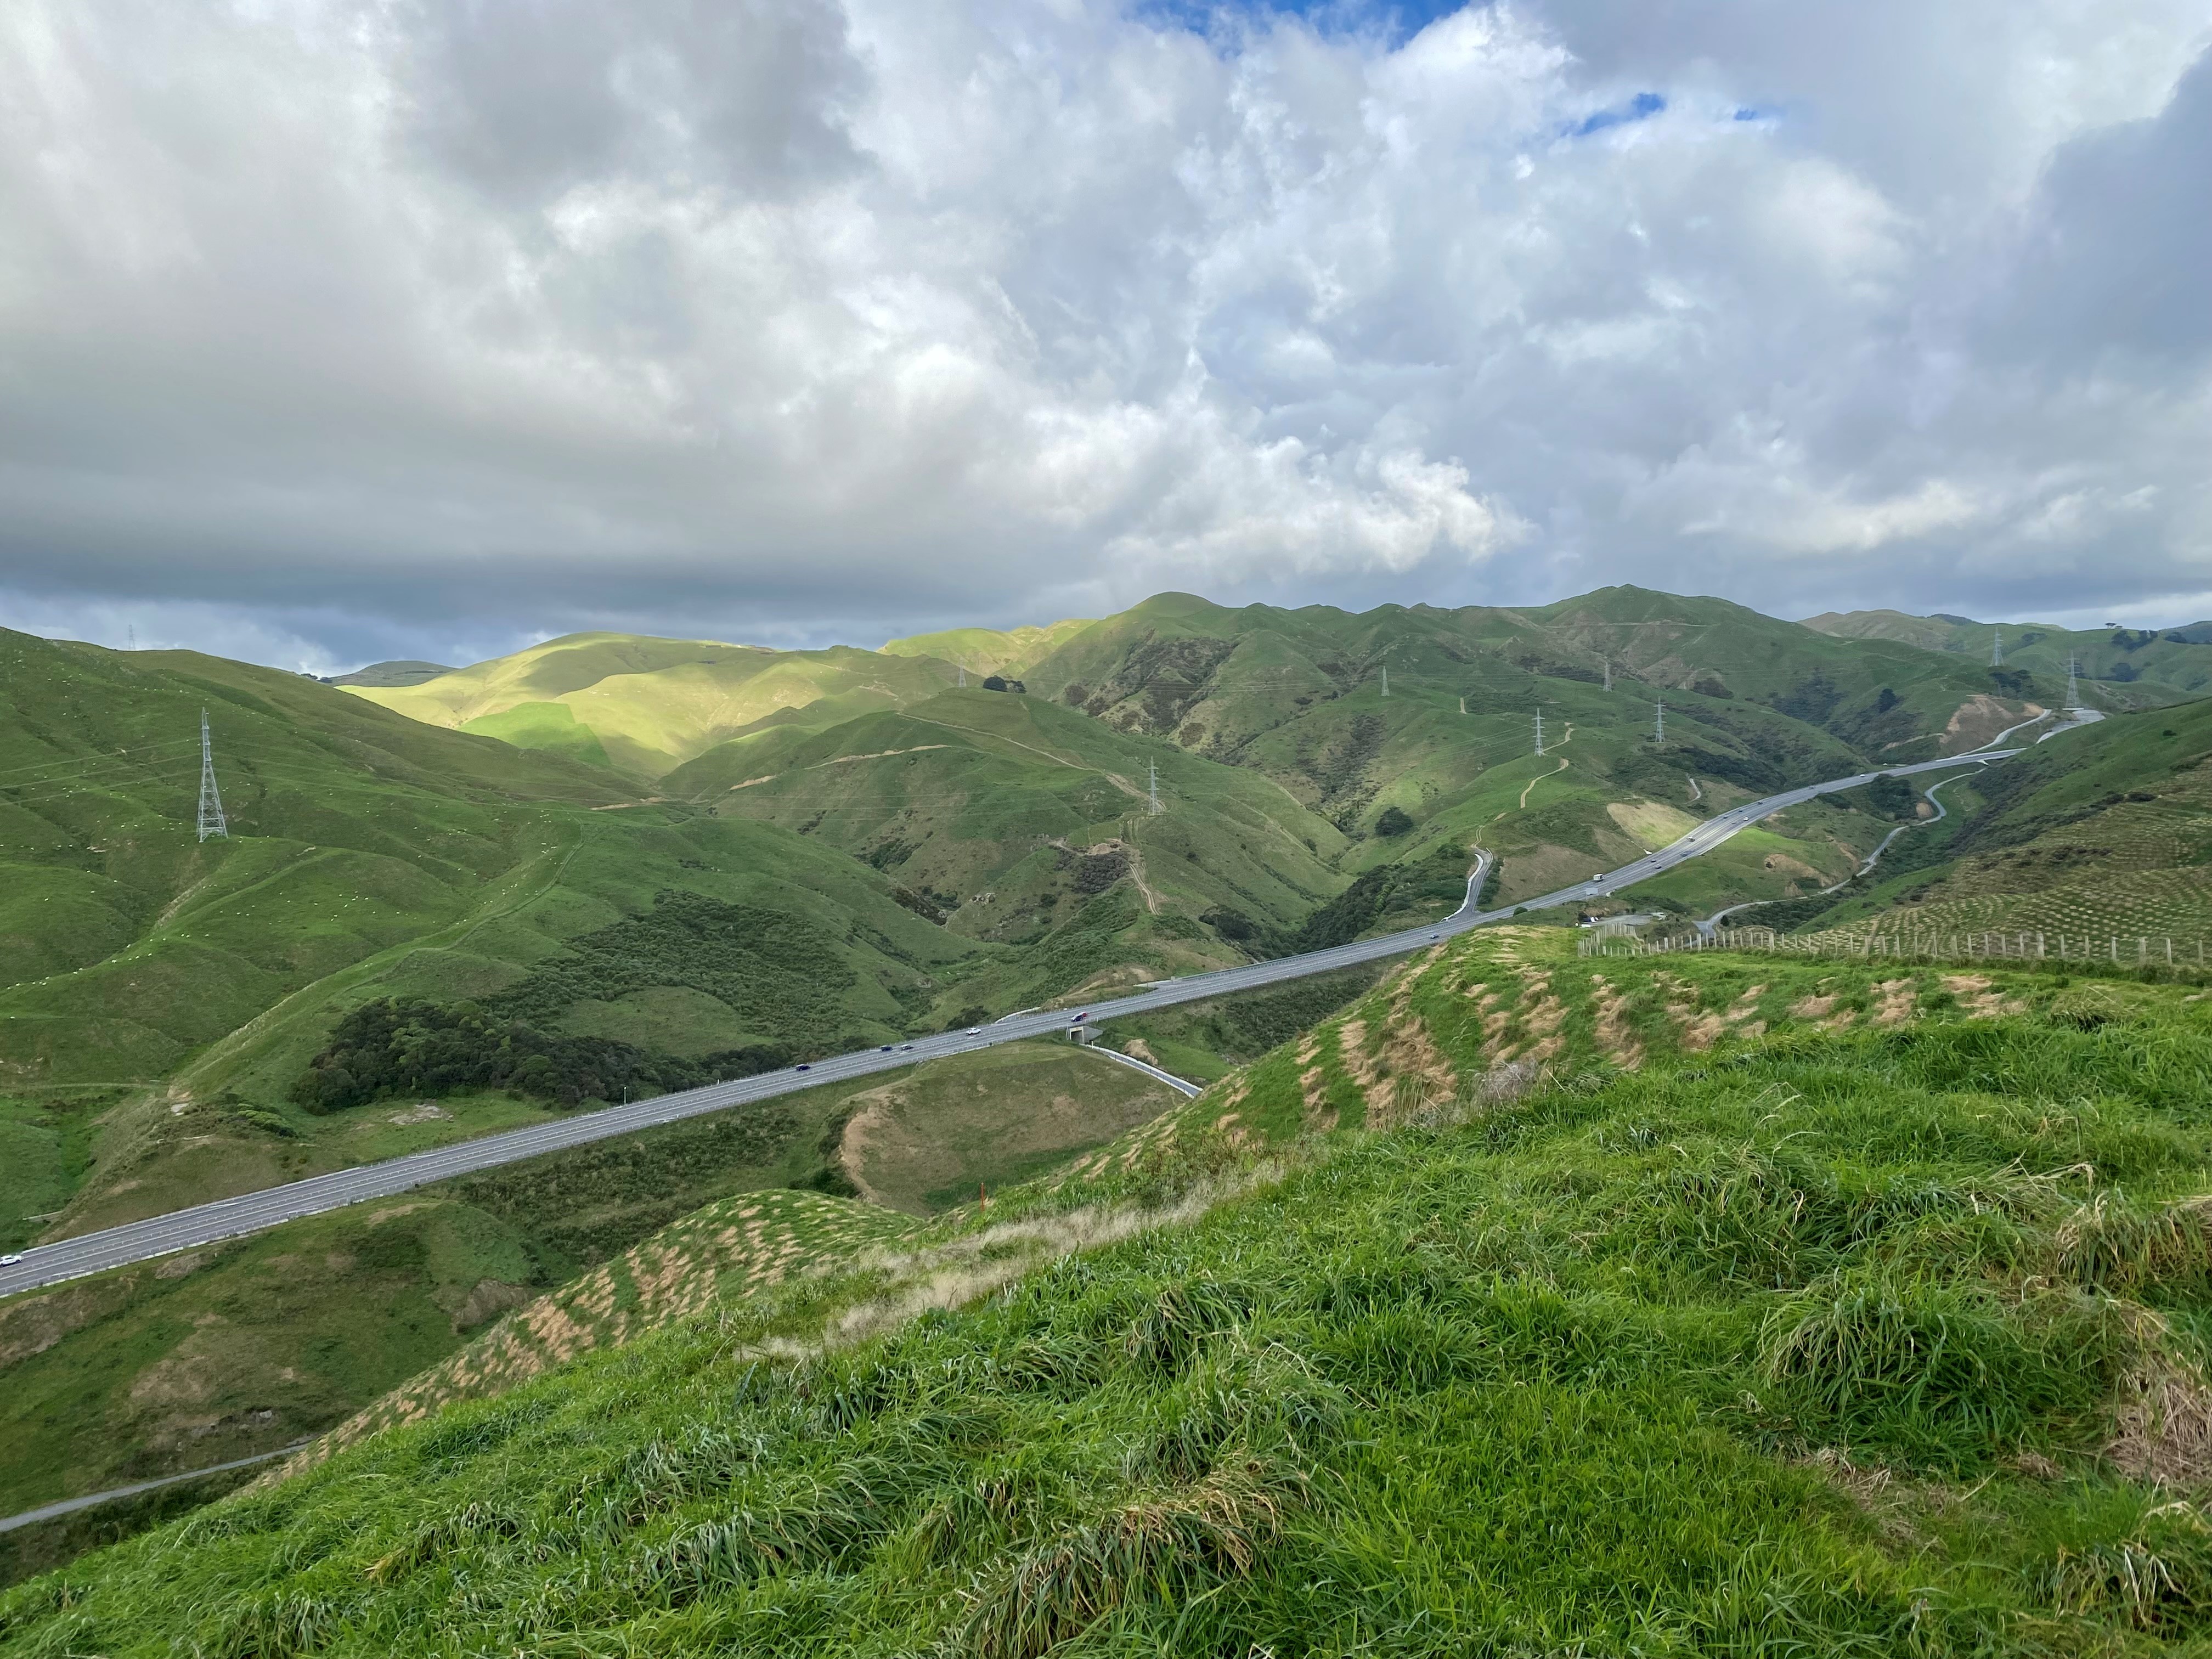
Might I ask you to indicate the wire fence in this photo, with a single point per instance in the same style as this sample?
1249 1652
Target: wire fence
2120 950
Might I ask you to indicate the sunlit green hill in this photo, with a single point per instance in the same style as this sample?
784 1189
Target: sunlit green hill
988 650
2121 668
647 705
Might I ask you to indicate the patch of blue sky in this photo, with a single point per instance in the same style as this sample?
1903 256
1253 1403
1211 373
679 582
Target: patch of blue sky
1642 107
1395 22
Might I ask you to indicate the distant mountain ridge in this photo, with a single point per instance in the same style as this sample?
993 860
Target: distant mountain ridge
403 671
2177 659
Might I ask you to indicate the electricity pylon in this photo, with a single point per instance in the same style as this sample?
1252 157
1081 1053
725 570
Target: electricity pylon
1659 727
212 822
1607 661
1386 682
1155 789
1996 648
2073 692
1540 734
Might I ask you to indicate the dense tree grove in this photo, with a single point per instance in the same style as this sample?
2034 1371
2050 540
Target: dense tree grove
401 1047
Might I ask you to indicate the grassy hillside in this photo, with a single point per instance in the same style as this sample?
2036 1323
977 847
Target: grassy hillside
159 995
2121 668
254 1343
1410 731
648 705
1018 820
1879 1332
2101 832
1444 755
988 650
1216 679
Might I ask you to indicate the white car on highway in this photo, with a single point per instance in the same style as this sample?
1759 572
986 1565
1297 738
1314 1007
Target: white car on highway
9 1260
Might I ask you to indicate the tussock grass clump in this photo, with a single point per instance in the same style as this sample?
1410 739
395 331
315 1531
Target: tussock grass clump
2114 1245
1929 1365
1163 1548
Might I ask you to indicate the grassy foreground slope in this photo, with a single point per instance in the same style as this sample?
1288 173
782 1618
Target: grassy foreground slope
252 1344
2121 668
1870 1334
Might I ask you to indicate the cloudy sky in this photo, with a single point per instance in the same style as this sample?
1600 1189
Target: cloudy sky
331 330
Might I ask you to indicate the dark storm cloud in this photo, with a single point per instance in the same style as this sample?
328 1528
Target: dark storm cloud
2118 255
350 329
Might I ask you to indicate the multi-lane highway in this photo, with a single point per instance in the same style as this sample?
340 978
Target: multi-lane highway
183 1229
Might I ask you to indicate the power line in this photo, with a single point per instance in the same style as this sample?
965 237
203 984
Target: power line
70 765
212 822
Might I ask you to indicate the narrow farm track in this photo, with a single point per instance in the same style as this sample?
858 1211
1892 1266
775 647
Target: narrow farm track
250 1212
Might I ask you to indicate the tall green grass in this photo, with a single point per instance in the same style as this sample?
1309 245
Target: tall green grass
1816 1348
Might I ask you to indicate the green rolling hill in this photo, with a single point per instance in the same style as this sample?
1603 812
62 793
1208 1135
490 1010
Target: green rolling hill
160 996
988 650
1025 823
1422 722
1409 731
645 705
838 847
2102 833
2121 668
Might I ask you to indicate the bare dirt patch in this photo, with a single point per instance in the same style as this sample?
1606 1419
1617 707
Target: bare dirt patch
1613 1035
1977 996
1317 1116
1894 1000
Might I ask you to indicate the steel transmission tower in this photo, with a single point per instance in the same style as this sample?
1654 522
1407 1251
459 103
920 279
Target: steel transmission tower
1996 648
1659 727
1155 789
1386 682
212 822
1607 661
2073 692
1540 734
